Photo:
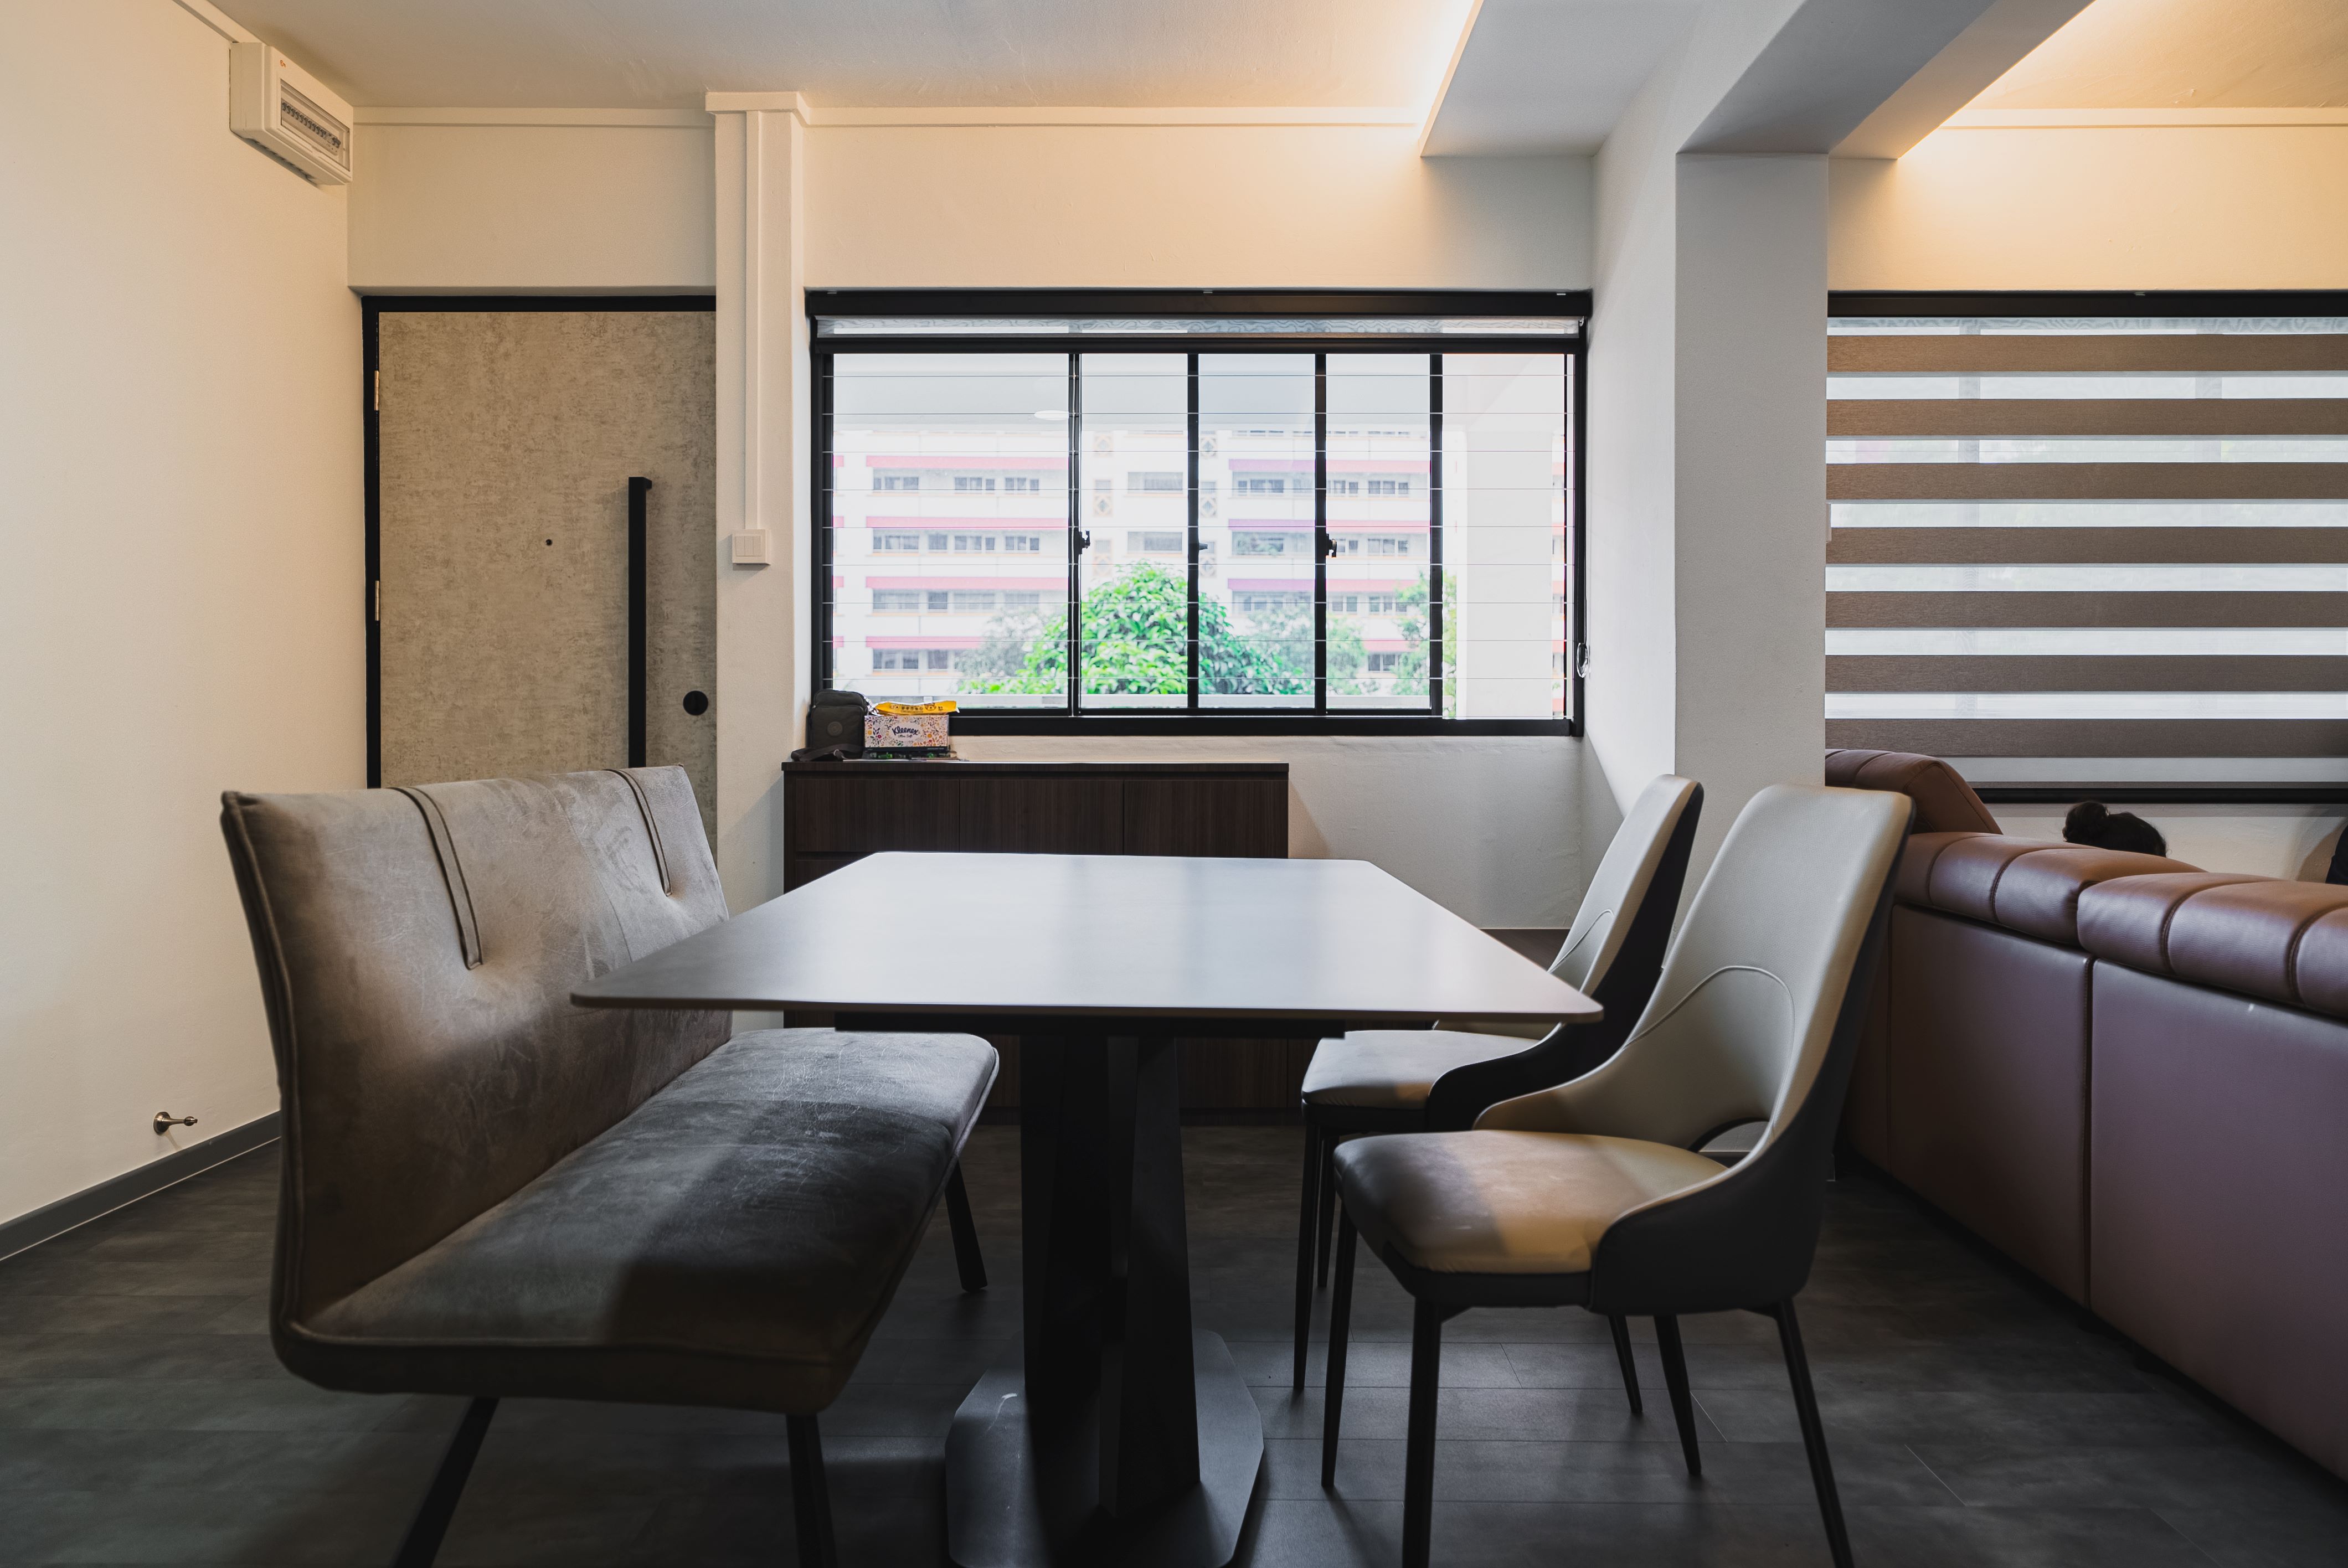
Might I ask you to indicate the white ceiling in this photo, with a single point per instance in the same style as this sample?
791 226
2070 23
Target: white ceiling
664 54
1552 75
2186 54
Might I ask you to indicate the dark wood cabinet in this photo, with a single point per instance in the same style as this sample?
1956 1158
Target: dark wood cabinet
834 813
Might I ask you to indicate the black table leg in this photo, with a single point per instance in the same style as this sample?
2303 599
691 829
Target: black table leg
1130 1437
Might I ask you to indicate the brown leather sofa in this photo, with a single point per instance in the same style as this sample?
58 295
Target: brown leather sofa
2129 1075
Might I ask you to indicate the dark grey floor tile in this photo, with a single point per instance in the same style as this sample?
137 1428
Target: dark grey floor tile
1524 1415
2014 1419
2262 1537
1474 1471
1373 1362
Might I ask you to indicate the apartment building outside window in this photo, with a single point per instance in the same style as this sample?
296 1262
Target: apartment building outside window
1255 520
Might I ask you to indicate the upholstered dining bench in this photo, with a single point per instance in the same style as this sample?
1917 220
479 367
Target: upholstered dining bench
490 1191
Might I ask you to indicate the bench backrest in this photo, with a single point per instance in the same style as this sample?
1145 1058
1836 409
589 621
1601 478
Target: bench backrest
418 950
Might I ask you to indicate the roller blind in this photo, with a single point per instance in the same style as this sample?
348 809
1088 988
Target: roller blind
2090 539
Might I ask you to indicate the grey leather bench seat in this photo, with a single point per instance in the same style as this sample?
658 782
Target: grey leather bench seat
489 1191
733 1242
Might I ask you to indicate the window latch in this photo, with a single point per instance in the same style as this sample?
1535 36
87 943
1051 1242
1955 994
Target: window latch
1328 543
1084 540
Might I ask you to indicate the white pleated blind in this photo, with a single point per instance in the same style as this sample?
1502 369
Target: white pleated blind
2089 538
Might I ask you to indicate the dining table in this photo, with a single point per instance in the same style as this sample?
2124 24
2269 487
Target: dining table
1127 1435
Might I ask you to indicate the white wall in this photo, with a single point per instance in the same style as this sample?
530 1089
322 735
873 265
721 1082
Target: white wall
2097 206
1707 545
611 201
181 576
2191 204
1266 206
1487 827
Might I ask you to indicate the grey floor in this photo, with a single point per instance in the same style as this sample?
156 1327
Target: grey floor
1975 1419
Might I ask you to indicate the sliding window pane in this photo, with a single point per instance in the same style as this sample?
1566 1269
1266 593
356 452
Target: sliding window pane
1504 511
1380 504
1134 622
1255 531
949 526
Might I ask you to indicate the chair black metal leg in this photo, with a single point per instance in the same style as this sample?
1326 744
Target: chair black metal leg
1328 1203
1308 1206
1418 1452
422 1543
1667 1336
1622 1327
810 1496
1814 1433
967 1257
1341 1323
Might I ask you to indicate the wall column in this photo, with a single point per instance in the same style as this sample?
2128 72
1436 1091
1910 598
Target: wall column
763 479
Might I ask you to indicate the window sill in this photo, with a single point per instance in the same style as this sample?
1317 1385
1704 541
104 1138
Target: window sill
970 723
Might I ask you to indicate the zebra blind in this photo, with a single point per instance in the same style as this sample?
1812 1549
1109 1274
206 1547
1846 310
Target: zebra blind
2076 541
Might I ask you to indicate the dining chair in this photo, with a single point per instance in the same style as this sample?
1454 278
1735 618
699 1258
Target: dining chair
1415 1079
1593 1193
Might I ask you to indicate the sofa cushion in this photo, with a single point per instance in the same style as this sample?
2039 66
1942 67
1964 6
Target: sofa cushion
2026 885
1945 802
2260 936
732 1242
2127 919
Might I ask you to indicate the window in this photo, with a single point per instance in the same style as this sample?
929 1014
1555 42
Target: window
887 659
2103 546
896 481
1340 524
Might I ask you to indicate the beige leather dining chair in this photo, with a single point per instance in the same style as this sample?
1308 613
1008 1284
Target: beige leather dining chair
1415 1079
1593 1193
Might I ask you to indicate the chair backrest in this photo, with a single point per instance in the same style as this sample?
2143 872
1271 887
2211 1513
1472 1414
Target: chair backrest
417 948
1754 1019
1602 925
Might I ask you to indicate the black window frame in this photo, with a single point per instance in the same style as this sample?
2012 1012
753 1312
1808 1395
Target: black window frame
1030 305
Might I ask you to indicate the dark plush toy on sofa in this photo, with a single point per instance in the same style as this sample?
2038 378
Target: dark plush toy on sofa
2092 822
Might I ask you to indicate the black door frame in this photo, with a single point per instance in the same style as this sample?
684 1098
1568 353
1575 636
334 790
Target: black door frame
371 310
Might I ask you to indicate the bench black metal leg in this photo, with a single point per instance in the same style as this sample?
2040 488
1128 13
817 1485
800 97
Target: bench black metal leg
810 1497
422 1543
1307 1208
1419 1451
1814 1433
967 1257
1327 1225
1341 1323
1676 1379
1622 1327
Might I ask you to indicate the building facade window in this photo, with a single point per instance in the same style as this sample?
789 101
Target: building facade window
1430 577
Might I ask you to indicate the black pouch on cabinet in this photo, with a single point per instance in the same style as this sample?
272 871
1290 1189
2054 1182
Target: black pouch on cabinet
835 726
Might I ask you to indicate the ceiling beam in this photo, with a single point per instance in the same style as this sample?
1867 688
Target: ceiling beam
1995 41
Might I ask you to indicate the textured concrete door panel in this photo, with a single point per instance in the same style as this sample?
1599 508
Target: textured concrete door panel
507 439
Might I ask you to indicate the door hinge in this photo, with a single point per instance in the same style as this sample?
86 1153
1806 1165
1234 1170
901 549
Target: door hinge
378 392
379 599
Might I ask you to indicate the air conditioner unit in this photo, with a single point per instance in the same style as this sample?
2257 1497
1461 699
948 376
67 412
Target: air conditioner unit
287 113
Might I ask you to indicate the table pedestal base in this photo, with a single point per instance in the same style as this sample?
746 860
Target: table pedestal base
999 1516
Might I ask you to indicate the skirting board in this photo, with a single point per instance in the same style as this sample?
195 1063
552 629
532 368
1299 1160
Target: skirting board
80 1208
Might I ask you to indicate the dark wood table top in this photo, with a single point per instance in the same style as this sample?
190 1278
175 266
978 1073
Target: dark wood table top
1101 937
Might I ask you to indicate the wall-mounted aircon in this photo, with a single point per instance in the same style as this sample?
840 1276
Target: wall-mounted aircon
287 112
